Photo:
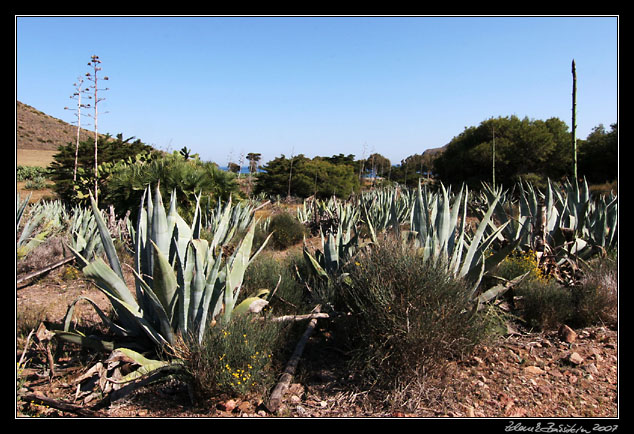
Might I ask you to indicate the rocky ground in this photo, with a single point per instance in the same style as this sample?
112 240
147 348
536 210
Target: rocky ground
560 374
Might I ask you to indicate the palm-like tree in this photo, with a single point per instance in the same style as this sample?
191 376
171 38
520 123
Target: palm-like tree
253 158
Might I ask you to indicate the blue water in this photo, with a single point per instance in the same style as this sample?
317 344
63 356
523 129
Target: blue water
244 170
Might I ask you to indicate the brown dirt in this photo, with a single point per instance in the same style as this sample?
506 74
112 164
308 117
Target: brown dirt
529 375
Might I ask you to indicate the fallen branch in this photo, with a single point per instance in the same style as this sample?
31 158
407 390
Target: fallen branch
44 270
300 317
40 399
317 315
291 366
261 206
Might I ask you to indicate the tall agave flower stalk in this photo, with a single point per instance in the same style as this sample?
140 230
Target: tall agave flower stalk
182 282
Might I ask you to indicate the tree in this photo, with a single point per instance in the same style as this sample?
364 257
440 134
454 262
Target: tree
233 167
522 147
318 176
185 152
253 161
574 120
172 172
599 155
112 150
379 164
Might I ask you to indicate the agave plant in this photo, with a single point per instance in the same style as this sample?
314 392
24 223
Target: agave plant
182 283
564 223
337 250
45 218
84 233
240 217
438 226
386 208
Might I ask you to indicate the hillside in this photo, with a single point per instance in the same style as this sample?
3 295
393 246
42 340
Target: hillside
39 131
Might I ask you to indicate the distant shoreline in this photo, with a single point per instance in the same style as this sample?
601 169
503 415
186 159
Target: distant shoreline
243 170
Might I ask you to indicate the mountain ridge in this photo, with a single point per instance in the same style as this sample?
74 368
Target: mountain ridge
35 130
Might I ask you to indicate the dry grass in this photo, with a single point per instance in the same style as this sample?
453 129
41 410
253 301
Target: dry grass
34 157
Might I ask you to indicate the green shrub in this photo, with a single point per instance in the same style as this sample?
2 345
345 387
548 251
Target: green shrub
287 231
596 296
237 359
545 304
408 316
26 173
266 270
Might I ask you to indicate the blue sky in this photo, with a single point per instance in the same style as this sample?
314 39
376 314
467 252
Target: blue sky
227 86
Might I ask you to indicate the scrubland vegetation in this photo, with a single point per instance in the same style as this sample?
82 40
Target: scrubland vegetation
207 273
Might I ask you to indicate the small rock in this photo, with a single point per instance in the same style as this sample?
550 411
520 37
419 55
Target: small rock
296 389
555 373
575 358
567 334
227 406
534 370
592 369
245 407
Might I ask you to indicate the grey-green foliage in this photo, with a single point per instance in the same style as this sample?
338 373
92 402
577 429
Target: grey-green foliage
440 233
84 233
182 282
42 220
566 220
386 208
328 214
223 228
336 250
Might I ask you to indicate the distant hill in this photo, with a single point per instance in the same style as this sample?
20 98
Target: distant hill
434 151
38 131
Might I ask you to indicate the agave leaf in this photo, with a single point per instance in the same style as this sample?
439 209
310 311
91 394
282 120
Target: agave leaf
110 282
110 324
160 233
314 264
146 366
475 242
499 289
85 341
157 308
164 282
252 304
106 239
198 284
211 297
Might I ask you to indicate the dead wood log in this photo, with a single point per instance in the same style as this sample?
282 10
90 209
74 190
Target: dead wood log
44 270
261 206
281 387
40 399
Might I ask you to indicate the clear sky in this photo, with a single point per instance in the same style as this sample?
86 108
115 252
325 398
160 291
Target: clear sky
226 86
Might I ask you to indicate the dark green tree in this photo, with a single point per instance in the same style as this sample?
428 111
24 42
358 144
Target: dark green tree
188 178
111 151
318 176
598 157
524 148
